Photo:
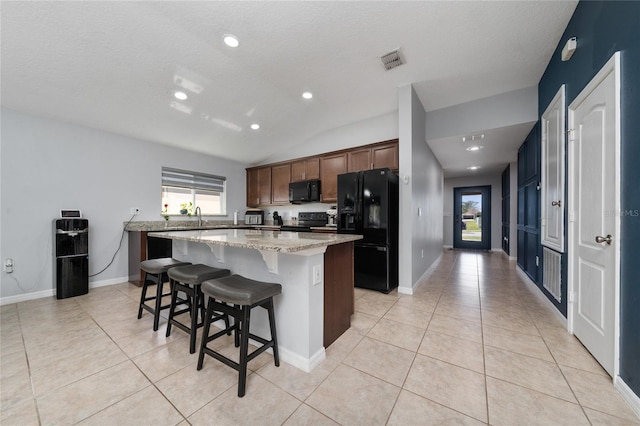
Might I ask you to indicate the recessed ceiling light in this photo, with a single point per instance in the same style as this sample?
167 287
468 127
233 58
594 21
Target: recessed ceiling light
231 40
475 148
471 138
307 95
255 126
180 95
473 167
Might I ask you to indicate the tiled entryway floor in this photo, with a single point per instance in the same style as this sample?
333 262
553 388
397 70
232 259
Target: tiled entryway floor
474 345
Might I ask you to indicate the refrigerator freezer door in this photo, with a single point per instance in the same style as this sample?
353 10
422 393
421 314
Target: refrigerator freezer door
375 206
349 200
371 264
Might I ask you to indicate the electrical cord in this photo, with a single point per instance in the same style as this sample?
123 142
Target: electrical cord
124 229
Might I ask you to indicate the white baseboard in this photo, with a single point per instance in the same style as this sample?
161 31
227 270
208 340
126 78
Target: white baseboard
8 300
627 394
425 276
300 362
51 292
510 258
112 281
447 247
541 296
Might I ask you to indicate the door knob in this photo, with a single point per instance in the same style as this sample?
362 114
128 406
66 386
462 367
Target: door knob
606 239
556 203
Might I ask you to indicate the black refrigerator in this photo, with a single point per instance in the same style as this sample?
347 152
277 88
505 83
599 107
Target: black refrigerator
368 205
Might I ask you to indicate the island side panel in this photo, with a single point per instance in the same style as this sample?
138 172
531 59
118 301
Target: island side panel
142 247
338 291
299 309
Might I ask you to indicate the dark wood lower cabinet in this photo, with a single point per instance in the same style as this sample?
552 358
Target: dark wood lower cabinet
338 291
142 247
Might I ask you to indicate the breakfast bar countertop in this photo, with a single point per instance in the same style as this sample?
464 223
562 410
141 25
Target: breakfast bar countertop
277 241
179 225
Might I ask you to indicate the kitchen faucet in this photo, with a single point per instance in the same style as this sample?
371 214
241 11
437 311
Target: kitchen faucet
199 214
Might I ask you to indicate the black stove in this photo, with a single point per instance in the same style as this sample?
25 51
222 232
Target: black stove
306 220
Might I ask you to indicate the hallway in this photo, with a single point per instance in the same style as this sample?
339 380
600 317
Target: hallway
474 345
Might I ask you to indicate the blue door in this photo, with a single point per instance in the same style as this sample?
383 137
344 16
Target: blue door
472 217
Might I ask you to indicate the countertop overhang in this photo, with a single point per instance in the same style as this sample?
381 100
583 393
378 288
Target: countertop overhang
276 241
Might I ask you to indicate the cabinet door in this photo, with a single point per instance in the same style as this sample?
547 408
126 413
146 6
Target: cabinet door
385 156
312 168
280 178
264 186
330 167
305 169
253 197
359 160
298 170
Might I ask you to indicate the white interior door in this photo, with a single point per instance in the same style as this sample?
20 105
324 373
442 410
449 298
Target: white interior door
553 203
594 182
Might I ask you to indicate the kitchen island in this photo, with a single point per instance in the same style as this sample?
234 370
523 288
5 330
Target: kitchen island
315 270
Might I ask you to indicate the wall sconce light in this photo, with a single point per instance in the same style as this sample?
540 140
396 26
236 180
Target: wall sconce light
568 49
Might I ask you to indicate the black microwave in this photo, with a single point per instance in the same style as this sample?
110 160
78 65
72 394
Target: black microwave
305 191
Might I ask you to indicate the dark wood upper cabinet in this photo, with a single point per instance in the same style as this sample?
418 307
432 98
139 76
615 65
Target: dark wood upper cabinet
374 157
258 186
359 159
305 169
269 184
385 156
280 178
330 167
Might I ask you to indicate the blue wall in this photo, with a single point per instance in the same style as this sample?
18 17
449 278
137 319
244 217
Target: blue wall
602 28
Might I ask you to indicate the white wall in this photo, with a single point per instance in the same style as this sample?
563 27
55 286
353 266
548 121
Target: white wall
375 129
495 181
50 165
506 109
420 234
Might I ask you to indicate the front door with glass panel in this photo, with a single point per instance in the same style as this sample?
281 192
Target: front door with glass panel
472 217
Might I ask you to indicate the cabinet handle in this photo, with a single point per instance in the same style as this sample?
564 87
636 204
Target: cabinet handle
556 203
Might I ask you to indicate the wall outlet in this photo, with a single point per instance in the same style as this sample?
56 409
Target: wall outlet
317 274
135 210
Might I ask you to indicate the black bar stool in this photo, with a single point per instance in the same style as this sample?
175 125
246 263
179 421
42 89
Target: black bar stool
244 294
155 272
187 279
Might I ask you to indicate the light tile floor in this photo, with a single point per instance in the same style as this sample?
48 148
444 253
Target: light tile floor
474 345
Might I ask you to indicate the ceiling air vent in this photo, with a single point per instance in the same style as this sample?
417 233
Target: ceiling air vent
391 60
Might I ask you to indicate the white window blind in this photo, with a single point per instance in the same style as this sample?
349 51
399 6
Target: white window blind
192 180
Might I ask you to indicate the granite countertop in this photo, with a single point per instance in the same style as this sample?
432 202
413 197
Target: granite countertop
282 242
180 225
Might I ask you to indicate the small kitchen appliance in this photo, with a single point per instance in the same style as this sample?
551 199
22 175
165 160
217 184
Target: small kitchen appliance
254 217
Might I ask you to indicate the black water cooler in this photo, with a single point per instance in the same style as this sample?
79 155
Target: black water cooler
71 257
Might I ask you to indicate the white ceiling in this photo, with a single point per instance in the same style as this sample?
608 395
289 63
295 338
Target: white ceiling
115 65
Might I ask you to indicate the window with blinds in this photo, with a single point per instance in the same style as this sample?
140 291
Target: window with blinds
185 190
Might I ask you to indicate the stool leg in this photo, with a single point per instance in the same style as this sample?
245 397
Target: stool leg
205 333
244 348
236 330
143 295
172 308
156 314
195 306
272 324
